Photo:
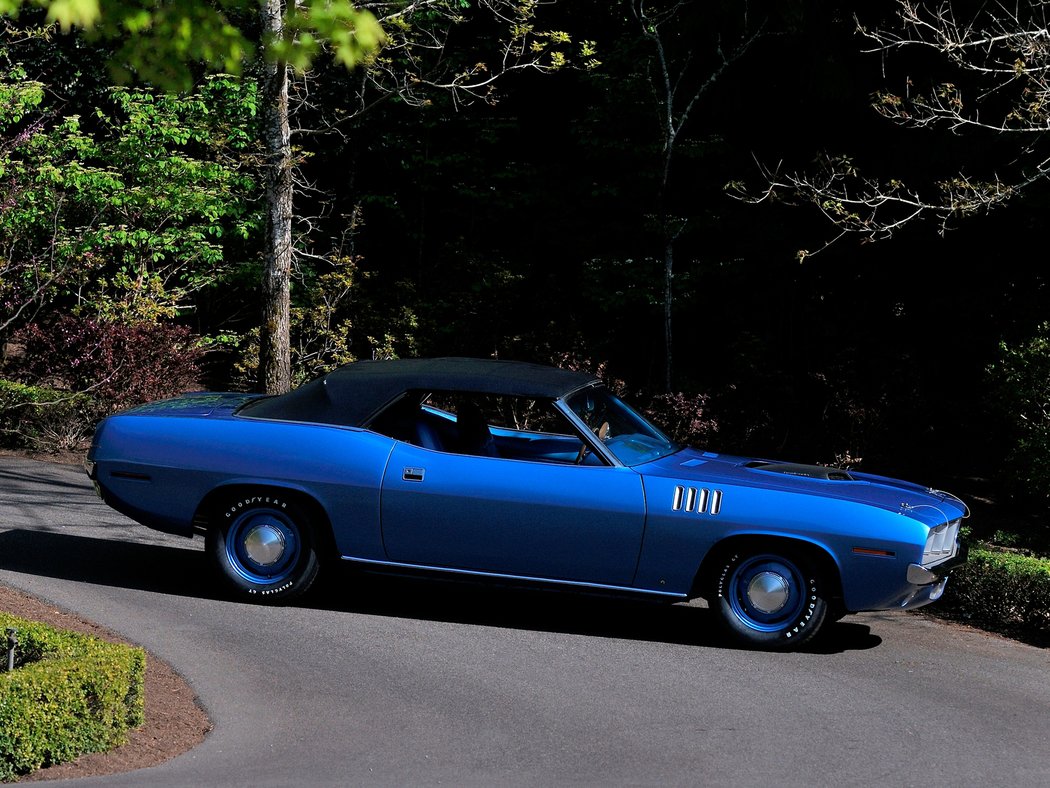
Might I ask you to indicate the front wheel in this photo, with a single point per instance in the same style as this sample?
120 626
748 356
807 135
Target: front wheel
771 600
263 547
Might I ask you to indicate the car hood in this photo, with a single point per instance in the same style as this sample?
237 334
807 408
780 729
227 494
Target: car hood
922 503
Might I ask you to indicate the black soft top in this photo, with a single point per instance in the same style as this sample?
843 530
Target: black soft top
353 394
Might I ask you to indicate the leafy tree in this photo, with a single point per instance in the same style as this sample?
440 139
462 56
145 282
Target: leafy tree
418 64
125 213
165 44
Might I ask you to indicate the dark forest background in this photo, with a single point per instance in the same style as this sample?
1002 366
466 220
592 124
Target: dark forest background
528 227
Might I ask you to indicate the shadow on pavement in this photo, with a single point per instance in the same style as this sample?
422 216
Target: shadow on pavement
547 610
185 572
144 567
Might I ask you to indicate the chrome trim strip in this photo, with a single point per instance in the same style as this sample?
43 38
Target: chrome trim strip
522 578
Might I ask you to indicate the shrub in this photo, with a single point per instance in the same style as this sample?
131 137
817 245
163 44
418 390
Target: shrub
120 365
1021 379
1002 592
70 694
41 418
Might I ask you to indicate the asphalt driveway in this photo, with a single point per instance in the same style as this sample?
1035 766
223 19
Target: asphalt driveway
393 681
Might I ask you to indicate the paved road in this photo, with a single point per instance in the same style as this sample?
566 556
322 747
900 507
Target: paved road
398 682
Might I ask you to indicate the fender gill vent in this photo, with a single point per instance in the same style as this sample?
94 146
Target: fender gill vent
699 500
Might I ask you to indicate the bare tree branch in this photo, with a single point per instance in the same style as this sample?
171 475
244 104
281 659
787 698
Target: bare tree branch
1002 57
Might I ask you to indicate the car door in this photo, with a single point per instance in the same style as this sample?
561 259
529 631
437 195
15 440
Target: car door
529 519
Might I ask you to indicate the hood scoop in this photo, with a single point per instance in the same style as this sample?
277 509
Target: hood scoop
797 469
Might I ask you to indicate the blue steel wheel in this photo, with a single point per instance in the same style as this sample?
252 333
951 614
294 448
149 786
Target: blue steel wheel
770 600
263 547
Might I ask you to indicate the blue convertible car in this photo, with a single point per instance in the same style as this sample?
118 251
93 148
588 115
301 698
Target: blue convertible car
518 472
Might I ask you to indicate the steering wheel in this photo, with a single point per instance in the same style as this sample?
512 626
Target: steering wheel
602 432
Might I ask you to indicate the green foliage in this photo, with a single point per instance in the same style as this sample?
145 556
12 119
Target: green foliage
164 43
68 13
43 418
459 50
1021 379
334 321
1002 592
69 694
352 35
18 98
125 213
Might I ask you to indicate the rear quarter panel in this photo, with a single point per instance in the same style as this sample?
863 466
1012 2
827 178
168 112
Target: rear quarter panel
158 469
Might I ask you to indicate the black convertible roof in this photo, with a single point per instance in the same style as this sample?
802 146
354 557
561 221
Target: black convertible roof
353 394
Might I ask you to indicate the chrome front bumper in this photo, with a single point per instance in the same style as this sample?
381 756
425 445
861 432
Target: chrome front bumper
919 575
930 581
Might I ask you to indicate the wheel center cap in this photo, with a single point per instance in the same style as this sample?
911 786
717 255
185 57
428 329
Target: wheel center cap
264 545
768 592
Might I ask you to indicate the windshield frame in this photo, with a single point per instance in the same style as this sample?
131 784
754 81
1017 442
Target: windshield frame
631 415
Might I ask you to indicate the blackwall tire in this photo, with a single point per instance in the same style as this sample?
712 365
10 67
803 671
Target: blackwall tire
775 600
263 547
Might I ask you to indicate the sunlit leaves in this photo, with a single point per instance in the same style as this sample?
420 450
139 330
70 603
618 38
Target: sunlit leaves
165 44
352 35
123 214
67 13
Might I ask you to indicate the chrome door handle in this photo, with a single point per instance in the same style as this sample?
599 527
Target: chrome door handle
413 474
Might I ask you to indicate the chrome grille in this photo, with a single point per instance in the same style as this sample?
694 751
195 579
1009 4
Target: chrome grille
942 543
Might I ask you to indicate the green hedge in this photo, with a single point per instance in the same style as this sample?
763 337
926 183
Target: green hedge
1001 592
69 694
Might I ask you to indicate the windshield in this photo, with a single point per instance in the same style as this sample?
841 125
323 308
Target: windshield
626 434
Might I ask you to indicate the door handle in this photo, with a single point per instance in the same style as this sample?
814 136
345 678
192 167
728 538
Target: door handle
413 474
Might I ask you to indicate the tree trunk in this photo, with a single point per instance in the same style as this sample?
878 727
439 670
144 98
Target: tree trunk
668 299
275 359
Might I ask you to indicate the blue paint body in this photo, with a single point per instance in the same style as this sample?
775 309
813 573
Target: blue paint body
644 528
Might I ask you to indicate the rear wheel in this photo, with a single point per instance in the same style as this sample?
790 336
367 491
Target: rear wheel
770 599
263 547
